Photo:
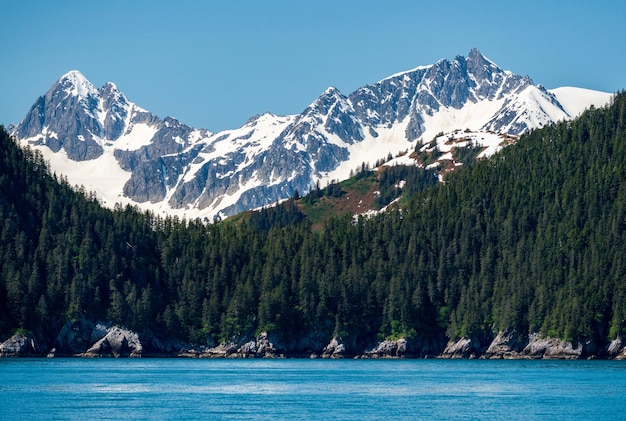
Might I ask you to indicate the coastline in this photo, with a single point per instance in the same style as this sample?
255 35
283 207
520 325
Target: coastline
86 339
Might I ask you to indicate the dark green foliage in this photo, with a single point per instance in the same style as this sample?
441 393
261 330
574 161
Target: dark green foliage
281 215
404 180
333 190
467 154
428 156
314 195
532 238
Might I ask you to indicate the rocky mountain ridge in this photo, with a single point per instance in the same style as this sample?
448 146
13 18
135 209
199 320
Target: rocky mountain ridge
101 140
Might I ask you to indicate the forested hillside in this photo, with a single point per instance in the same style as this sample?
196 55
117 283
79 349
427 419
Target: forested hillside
532 239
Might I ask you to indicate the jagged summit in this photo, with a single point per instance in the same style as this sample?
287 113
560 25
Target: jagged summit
100 139
75 83
476 57
75 77
331 91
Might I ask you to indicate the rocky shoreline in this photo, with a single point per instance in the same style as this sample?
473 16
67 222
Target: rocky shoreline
83 338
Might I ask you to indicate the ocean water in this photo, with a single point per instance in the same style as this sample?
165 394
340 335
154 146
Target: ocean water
179 389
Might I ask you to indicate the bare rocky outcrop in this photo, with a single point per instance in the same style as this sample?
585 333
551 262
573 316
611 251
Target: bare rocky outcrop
406 347
83 337
77 336
461 348
223 350
334 349
511 344
507 344
20 345
388 349
551 348
118 342
473 347
259 347
617 349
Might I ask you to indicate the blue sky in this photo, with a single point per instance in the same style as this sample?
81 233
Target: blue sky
215 64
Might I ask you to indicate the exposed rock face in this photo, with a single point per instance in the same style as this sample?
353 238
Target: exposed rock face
617 349
507 344
86 338
551 348
223 350
510 344
303 345
461 348
388 349
335 349
473 347
20 345
118 342
76 337
259 347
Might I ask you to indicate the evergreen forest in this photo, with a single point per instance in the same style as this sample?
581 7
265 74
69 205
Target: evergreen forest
533 238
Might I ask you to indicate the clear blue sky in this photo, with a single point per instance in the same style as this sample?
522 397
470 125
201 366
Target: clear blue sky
215 64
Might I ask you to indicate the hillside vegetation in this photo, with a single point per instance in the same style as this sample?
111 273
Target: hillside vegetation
532 238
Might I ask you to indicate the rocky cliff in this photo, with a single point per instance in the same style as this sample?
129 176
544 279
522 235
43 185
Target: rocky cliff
511 344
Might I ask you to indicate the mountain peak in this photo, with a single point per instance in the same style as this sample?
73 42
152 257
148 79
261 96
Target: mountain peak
474 54
110 92
476 58
111 86
322 103
331 91
73 75
74 83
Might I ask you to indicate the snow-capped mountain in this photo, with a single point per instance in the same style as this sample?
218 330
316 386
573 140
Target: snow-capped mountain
101 140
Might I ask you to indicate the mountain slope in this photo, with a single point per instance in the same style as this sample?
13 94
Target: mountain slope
527 244
101 140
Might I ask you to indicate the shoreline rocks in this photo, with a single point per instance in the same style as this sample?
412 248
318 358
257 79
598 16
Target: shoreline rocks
508 344
551 348
116 343
259 347
473 347
388 349
334 349
21 344
617 349
84 338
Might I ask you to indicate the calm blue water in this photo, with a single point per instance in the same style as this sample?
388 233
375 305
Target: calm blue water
94 389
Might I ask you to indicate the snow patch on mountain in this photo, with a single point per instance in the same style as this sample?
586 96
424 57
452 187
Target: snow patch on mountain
75 84
101 175
576 100
135 138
